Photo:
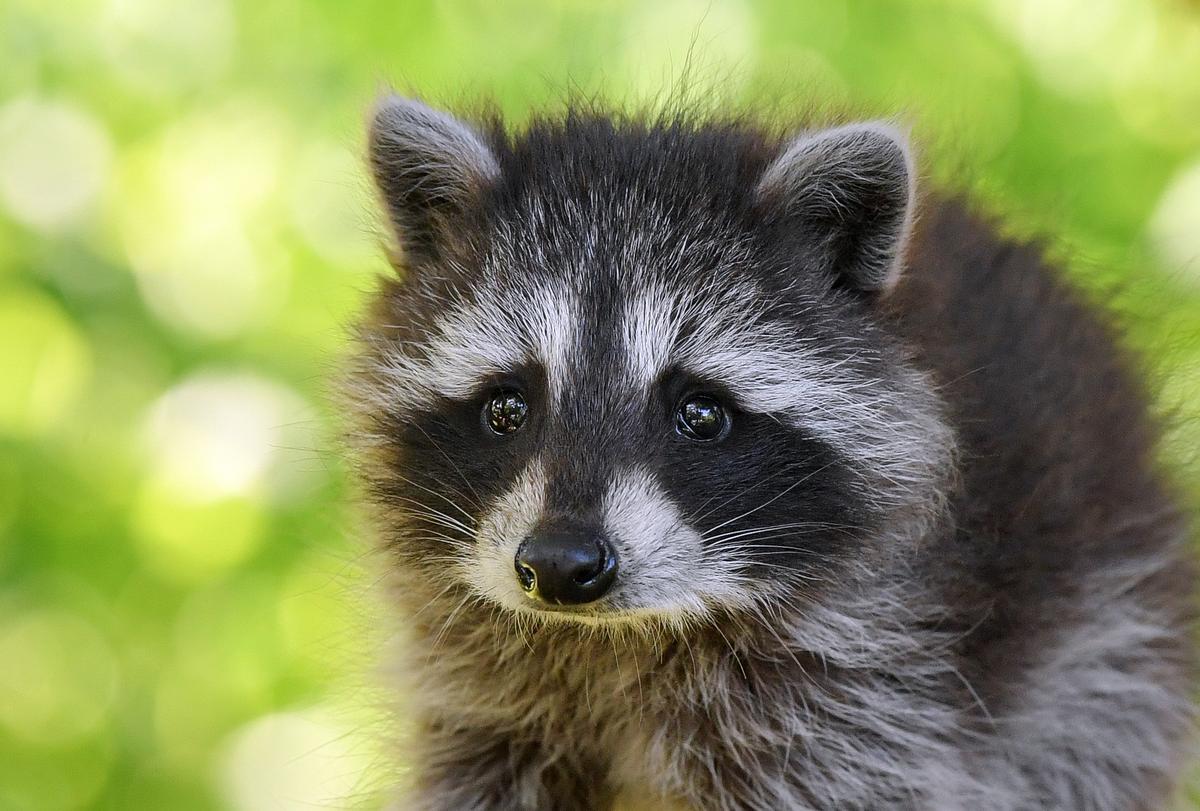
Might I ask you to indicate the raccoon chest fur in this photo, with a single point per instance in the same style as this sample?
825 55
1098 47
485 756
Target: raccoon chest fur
719 466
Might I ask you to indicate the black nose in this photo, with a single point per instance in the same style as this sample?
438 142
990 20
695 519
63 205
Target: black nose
566 566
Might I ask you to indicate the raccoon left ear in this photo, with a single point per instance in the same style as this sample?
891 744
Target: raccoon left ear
851 188
429 167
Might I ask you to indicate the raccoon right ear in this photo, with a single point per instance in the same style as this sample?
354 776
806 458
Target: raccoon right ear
428 166
850 190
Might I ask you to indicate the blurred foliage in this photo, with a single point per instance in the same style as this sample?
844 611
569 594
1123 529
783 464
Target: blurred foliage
185 231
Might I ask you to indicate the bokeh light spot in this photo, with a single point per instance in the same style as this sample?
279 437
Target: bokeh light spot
327 204
59 677
163 48
711 44
194 223
1069 42
1175 224
54 160
188 540
217 435
291 761
46 363
1150 92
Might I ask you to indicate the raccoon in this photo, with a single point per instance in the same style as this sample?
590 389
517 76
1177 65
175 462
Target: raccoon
715 469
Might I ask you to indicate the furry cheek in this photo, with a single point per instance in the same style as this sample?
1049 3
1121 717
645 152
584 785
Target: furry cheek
670 572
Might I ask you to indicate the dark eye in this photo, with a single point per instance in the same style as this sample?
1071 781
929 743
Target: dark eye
701 418
505 411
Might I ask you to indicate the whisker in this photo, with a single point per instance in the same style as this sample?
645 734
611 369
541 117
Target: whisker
773 499
442 496
446 456
693 518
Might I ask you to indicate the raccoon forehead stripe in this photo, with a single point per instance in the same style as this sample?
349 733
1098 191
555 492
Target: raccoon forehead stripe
653 325
767 368
649 331
492 335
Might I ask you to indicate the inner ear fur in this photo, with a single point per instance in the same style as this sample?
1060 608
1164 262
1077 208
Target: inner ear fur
851 191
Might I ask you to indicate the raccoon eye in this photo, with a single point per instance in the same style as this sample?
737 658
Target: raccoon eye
701 418
505 411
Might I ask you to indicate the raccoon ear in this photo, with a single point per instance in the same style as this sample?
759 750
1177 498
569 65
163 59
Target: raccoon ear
851 188
428 167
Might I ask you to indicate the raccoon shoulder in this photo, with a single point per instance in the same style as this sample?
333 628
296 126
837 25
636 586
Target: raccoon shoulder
1049 405
1063 510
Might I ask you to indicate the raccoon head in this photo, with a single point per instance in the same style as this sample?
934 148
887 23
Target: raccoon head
638 371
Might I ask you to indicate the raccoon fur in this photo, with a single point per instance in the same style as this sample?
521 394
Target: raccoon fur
719 470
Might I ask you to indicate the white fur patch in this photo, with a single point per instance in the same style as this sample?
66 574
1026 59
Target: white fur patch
490 570
664 568
493 335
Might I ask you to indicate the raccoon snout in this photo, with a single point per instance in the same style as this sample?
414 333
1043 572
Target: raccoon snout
566 566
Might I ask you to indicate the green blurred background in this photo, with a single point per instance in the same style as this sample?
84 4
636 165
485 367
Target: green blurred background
185 232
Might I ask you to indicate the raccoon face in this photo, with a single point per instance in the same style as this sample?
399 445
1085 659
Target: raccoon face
636 372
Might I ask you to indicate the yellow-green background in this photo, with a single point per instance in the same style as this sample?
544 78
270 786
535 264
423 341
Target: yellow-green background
184 232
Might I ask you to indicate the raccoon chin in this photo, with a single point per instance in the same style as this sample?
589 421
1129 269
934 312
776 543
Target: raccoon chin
658 624
615 618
